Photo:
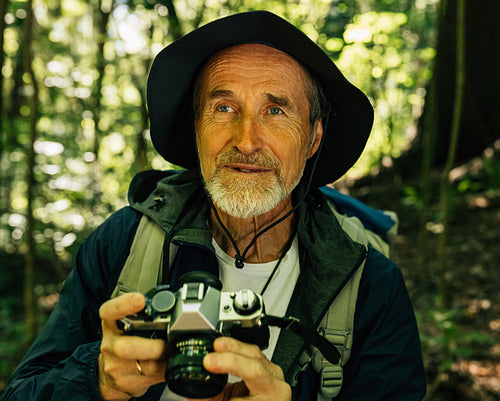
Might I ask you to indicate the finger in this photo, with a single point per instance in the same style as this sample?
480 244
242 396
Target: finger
133 347
124 305
246 361
125 379
135 368
229 344
151 368
259 380
237 365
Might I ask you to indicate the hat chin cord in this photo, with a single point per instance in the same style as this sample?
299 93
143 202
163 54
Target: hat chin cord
240 257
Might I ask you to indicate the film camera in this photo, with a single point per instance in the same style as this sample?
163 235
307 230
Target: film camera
190 319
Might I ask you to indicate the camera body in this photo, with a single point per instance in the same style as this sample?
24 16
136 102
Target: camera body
190 319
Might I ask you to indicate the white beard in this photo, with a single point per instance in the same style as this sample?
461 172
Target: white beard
241 196
245 197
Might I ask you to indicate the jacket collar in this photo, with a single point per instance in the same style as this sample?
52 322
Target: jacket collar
176 201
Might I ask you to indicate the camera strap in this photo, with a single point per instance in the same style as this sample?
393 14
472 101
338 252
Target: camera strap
327 349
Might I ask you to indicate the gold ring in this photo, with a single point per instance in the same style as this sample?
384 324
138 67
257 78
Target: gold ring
139 367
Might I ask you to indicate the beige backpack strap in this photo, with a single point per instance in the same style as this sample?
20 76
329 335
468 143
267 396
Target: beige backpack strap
339 320
337 325
142 267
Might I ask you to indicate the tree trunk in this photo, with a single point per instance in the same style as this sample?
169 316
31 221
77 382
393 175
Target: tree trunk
176 32
4 190
29 281
480 123
460 82
3 10
173 21
101 17
141 157
428 151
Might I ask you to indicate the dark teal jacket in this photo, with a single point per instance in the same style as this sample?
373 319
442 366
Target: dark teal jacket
385 363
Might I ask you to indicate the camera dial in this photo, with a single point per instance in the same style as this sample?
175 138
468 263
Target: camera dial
245 302
163 301
159 302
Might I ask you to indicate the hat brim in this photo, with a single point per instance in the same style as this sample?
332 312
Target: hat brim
177 66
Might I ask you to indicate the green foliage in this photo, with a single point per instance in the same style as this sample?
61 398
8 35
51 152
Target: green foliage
412 197
388 54
479 175
13 339
11 347
444 341
91 124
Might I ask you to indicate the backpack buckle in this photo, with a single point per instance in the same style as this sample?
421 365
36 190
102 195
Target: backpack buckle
340 338
331 380
300 366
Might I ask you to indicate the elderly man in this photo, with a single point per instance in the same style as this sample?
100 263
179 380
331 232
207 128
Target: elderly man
260 118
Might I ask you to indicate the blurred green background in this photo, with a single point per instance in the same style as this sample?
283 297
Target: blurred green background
74 131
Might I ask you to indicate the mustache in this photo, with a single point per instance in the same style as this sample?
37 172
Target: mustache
259 159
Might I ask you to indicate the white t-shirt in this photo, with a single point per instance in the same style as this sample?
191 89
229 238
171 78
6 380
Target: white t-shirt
254 276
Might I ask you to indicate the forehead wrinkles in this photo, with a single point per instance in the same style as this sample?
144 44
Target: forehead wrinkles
263 64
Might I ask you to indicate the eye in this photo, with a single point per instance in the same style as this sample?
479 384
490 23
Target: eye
225 109
275 111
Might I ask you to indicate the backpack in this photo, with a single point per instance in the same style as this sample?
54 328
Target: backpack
362 223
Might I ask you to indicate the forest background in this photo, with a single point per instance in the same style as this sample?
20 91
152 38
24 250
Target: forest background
74 130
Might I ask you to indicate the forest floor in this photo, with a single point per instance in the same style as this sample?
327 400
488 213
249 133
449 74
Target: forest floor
461 342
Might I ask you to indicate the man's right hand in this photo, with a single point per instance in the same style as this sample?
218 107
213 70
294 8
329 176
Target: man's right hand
128 365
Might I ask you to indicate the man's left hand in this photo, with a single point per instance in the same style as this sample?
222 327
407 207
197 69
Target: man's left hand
262 379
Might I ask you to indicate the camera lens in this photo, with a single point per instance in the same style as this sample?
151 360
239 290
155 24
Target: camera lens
185 373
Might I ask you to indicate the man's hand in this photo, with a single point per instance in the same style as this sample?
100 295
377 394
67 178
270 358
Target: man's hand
262 379
128 365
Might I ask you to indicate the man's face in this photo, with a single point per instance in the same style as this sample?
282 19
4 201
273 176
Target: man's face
253 131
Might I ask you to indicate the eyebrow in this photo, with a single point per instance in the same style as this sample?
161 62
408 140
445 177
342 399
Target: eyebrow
217 93
281 101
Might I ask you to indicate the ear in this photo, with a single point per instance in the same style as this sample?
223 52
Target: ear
317 133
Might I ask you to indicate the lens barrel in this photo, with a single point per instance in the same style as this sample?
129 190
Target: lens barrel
185 373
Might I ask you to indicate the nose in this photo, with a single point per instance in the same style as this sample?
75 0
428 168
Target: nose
248 137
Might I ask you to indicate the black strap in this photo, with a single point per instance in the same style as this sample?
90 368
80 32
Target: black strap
327 349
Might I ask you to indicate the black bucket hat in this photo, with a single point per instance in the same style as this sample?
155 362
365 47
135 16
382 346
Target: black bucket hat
176 67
